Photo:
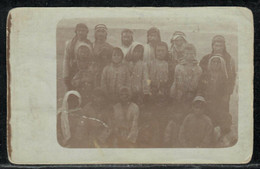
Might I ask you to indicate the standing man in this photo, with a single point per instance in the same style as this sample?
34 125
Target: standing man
102 51
69 62
219 48
127 41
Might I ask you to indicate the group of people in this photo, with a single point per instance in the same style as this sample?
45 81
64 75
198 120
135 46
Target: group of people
144 95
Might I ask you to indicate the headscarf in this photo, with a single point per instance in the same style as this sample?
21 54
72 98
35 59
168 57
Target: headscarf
166 46
222 64
89 48
218 38
65 128
119 50
81 26
100 27
199 98
127 31
129 55
154 30
192 48
178 34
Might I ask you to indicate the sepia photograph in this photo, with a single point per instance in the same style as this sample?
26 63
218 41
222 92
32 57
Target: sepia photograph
130 85
151 85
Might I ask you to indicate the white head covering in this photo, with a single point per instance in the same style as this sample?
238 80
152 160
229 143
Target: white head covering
178 34
65 128
222 63
199 98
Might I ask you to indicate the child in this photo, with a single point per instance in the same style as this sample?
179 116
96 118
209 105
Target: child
186 78
98 113
138 71
115 75
125 120
214 87
83 79
196 129
70 125
158 70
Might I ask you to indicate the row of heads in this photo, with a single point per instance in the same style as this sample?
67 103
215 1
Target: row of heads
152 31
73 98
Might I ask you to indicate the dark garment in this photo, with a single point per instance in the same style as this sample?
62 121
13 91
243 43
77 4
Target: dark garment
83 82
99 125
230 67
214 90
153 120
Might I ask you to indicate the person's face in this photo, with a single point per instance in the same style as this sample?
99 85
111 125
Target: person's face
179 41
117 57
215 64
197 107
137 54
83 58
218 47
101 35
88 83
124 96
152 37
127 38
189 54
161 52
98 100
82 33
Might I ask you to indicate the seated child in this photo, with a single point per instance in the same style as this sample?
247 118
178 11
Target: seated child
196 129
158 70
115 75
98 114
125 120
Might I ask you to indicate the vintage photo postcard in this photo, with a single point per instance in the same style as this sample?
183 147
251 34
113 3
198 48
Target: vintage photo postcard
130 85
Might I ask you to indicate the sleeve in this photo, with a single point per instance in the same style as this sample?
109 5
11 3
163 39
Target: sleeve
76 80
203 63
132 136
104 79
232 76
182 132
146 81
173 90
208 134
202 85
128 79
196 79
66 61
